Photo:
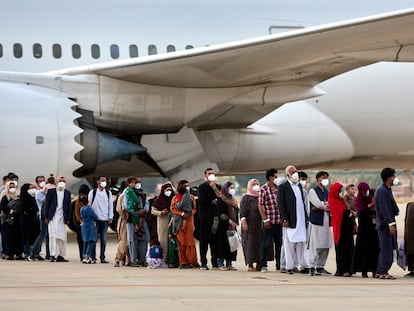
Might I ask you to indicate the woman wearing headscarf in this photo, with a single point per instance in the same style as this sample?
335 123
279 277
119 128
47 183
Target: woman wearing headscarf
161 208
225 214
181 205
251 222
366 248
30 218
13 246
343 227
77 219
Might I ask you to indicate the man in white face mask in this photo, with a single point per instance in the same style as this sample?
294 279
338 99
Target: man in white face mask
208 193
320 236
57 213
100 199
294 220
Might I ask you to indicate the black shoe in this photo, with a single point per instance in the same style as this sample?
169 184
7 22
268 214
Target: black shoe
290 271
61 259
409 275
52 259
322 271
304 270
104 261
40 258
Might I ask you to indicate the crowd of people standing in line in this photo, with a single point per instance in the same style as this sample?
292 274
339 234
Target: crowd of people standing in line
278 221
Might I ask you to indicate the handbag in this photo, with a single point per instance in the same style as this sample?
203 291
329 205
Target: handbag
15 206
234 240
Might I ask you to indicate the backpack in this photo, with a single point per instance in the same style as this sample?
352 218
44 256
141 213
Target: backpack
156 252
94 194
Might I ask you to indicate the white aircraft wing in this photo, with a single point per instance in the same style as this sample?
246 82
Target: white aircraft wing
306 56
282 68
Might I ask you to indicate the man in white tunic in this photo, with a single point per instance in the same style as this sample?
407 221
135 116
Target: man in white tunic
57 212
320 236
294 220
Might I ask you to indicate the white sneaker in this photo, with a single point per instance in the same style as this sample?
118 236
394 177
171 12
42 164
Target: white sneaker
264 270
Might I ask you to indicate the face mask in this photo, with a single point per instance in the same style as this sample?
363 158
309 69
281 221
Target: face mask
61 185
31 191
138 186
167 193
303 183
187 188
278 181
295 177
341 194
396 181
367 194
232 191
211 177
15 182
256 188
325 182
103 184
42 184
12 190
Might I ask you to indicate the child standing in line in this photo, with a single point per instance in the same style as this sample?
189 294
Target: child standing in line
89 231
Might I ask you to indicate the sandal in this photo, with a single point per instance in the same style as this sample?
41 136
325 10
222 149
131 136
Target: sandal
387 277
251 269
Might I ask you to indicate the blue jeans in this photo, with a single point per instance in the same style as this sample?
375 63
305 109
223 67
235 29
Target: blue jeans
273 235
88 248
102 227
220 263
37 246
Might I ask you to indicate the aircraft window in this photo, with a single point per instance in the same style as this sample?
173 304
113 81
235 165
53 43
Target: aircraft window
170 48
95 51
133 50
57 50
189 46
17 50
76 51
152 49
37 50
114 51
1 50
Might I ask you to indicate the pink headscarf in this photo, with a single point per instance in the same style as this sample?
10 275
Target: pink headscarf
362 200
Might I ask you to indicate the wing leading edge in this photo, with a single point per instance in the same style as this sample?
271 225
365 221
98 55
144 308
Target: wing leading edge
307 56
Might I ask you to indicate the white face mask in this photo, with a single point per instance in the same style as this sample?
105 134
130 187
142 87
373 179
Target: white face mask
256 188
103 184
12 190
367 194
396 181
341 194
61 185
295 177
232 191
32 191
138 186
42 184
211 177
187 188
278 181
303 183
325 182
167 193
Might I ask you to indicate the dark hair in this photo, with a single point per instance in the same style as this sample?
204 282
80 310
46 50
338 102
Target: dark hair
37 177
12 175
83 189
208 169
302 174
130 179
387 173
270 172
83 199
51 179
321 173
99 177
154 241
180 187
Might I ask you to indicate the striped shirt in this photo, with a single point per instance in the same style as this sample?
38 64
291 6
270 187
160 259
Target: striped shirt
268 199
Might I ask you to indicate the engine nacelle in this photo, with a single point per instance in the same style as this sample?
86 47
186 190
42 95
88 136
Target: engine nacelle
38 132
